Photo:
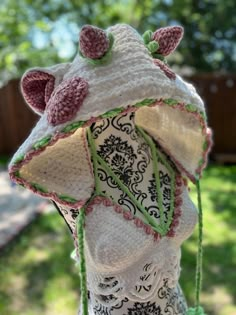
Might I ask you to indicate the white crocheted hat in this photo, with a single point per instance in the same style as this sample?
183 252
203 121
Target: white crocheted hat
115 71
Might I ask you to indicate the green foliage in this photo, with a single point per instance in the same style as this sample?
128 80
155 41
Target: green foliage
37 278
46 32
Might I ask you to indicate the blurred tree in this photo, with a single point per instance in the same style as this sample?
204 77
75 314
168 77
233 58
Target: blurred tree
45 32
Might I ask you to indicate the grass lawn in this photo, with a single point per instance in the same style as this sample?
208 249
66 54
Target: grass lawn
37 276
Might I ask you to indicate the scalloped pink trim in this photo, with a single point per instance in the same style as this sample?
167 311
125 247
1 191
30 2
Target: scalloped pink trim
51 195
127 215
61 135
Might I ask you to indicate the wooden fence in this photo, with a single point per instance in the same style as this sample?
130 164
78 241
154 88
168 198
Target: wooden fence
219 95
218 92
16 119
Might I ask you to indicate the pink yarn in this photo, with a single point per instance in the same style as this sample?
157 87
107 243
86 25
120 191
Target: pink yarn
127 215
66 100
169 73
93 42
37 87
168 39
138 222
118 209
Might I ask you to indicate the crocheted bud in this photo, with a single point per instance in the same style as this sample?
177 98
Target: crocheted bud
93 42
168 39
66 100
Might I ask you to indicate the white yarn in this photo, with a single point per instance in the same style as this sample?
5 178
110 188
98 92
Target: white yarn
128 78
116 248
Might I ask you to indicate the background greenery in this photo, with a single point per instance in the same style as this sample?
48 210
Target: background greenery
44 32
37 276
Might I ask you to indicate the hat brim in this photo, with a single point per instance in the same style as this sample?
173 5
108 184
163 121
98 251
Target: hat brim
58 165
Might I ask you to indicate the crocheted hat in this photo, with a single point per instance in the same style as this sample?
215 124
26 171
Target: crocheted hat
115 71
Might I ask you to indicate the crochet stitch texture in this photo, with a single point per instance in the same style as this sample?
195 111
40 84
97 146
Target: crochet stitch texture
59 160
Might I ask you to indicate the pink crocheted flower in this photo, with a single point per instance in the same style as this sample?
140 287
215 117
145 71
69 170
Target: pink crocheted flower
66 100
37 87
168 39
93 42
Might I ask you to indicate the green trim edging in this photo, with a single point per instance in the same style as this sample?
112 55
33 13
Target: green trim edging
111 113
74 126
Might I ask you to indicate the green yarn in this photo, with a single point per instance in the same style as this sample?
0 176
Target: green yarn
203 115
146 101
191 108
198 310
195 311
112 112
152 46
147 37
95 162
124 188
39 187
19 159
73 126
97 159
205 145
201 161
170 101
159 56
42 142
67 198
17 173
156 173
105 58
200 251
83 278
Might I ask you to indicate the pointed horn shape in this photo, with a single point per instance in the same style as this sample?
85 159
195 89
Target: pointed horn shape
93 42
168 39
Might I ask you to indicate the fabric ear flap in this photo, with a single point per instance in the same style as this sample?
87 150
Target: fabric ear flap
37 87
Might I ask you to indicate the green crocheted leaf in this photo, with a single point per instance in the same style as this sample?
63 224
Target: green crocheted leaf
153 46
147 37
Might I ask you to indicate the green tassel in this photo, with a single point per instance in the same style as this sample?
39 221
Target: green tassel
83 278
196 311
